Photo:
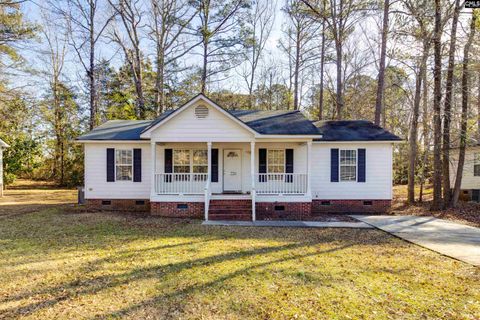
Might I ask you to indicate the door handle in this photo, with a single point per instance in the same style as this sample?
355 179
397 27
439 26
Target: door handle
232 173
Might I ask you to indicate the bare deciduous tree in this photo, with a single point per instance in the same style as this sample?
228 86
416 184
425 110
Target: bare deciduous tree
129 13
170 19
260 24
86 22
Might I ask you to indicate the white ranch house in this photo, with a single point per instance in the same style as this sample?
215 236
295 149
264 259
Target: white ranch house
203 161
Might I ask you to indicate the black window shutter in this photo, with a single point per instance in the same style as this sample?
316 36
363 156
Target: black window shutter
361 165
262 164
334 165
137 165
110 164
214 165
168 163
289 164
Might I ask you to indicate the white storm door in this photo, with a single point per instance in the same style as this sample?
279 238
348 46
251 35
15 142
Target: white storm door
232 170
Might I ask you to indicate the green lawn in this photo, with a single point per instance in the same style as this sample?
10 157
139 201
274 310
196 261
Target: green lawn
57 264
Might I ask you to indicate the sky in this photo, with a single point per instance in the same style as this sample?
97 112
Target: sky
33 8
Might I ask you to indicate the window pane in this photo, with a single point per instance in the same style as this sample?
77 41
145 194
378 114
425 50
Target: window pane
348 173
124 172
181 157
200 169
348 157
181 169
200 157
476 170
123 156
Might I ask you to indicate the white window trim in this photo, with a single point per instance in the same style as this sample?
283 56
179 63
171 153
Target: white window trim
190 159
475 162
115 163
340 165
284 160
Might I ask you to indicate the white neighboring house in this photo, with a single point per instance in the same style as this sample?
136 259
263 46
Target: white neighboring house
470 187
203 161
3 145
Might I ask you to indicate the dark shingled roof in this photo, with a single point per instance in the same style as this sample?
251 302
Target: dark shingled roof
276 122
353 130
117 130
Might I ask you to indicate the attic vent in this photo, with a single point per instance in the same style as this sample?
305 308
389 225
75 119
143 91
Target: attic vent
201 112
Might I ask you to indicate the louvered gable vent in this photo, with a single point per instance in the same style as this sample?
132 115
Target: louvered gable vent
201 111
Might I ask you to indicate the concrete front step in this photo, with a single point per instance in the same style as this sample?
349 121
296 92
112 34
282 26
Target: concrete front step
238 217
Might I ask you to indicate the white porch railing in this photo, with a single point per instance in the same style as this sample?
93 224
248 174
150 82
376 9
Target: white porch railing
281 183
180 183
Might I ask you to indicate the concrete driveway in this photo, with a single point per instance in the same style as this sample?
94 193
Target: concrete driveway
451 239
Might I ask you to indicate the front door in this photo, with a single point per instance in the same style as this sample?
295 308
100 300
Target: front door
232 170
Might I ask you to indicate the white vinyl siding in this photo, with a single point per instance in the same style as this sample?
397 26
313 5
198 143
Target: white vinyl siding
378 167
96 185
469 179
216 126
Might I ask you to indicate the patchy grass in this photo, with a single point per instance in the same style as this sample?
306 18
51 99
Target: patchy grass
60 265
27 196
466 212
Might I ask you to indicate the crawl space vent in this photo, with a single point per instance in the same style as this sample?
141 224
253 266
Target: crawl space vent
201 112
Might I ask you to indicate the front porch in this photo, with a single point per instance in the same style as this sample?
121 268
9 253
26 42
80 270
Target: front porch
221 177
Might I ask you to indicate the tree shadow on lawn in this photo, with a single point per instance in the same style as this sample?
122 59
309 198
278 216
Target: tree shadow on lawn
124 229
99 283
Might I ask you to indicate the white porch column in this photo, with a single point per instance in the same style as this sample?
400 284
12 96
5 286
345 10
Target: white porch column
252 171
154 169
309 168
209 178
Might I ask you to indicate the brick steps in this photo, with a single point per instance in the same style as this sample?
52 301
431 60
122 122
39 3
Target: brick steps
230 210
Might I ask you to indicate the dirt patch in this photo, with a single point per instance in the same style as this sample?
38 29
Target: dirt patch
466 212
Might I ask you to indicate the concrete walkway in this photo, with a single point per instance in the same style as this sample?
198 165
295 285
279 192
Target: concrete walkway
296 224
451 239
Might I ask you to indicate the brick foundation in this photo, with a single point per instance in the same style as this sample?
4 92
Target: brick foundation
264 210
127 205
291 210
350 206
178 209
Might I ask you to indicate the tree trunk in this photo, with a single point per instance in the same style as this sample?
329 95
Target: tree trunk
322 66
478 109
412 139
437 121
205 65
448 107
381 71
296 70
463 128
426 136
160 80
91 72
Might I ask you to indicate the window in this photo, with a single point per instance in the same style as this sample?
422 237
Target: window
348 165
181 161
190 161
123 165
476 164
200 161
276 161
